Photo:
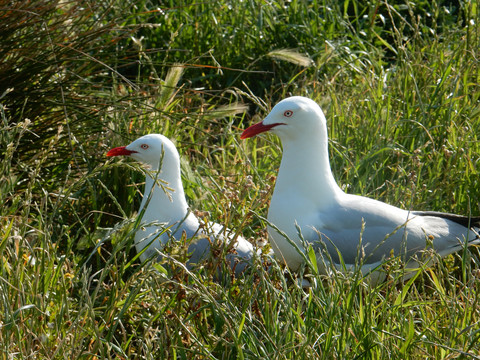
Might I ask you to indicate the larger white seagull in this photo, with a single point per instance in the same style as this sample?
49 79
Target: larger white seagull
166 214
308 207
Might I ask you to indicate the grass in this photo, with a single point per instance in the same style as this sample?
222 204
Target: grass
398 82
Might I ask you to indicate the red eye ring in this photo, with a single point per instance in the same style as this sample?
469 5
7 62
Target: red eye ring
144 146
288 113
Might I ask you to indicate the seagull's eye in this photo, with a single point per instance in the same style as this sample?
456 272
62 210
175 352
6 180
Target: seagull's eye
144 146
288 113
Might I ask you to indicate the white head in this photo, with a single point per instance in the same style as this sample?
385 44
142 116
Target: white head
155 150
149 150
293 118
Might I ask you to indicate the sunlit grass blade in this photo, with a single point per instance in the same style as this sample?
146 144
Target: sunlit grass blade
291 56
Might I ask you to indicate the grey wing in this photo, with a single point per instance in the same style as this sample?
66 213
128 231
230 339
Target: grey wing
360 226
377 230
205 235
371 244
243 250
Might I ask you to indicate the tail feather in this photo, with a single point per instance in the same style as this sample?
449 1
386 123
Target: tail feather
471 222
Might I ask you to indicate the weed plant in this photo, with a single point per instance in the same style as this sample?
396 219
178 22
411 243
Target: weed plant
398 81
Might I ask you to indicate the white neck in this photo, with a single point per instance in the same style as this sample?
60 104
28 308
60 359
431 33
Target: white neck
305 171
164 204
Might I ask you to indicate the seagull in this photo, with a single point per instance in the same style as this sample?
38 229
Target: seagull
164 209
309 208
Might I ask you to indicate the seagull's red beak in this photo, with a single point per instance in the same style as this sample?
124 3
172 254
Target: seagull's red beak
257 129
122 150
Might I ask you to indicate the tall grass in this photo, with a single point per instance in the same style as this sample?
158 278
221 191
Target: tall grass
398 82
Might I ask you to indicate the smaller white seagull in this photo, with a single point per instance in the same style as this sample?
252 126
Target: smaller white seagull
308 207
166 214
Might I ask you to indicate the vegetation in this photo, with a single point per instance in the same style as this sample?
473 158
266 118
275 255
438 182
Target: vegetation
399 83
